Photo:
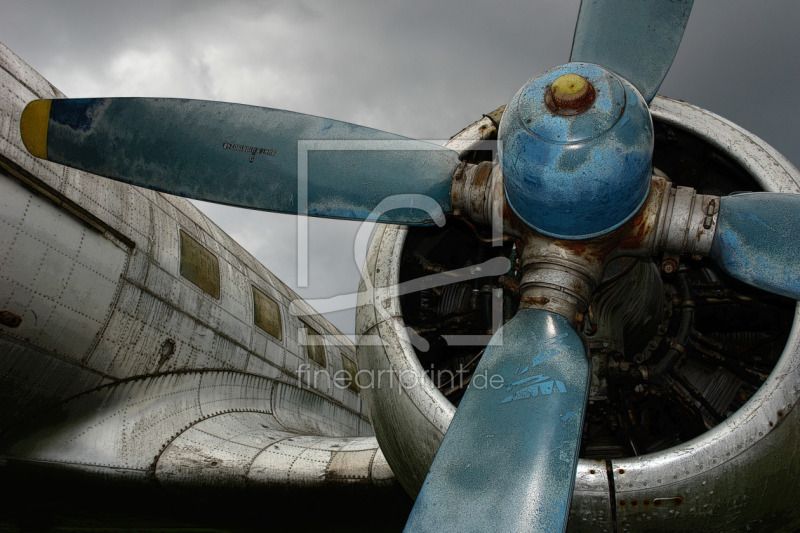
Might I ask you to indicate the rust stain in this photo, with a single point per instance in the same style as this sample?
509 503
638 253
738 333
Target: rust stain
482 174
511 220
643 224
576 247
534 300
596 249
638 229
700 233
509 284
636 232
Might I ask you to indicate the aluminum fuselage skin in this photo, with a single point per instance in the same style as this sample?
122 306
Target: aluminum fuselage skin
136 353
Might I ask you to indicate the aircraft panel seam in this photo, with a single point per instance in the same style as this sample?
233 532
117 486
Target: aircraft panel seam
236 343
56 355
112 309
200 322
19 80
152 469
612 494
64 202
73 463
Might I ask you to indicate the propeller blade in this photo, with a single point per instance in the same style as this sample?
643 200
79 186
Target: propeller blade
636 39
246 156
508 460
756 240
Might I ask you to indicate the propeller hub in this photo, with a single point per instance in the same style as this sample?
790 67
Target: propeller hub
570 94
579 174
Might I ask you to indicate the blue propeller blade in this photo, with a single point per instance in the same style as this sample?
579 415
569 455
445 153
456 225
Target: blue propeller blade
637 39
245 156
508 460
757 240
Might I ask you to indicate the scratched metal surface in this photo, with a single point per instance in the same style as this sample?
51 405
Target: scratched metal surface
740 476
250 156
123 369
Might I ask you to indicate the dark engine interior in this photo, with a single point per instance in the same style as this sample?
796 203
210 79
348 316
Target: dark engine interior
676 345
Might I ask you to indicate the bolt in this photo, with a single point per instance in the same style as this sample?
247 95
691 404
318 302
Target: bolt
669 265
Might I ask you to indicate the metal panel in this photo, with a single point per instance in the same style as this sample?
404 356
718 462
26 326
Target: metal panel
311 413
218 450
65 275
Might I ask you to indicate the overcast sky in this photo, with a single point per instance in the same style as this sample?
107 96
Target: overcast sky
412 68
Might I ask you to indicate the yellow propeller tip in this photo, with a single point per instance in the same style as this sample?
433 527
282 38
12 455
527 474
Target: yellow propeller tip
33 127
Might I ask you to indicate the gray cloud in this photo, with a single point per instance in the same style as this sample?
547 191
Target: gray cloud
415 68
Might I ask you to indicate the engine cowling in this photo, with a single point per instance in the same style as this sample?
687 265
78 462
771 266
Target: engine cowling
743 415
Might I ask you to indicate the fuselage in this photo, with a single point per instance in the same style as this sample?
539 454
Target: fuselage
139 340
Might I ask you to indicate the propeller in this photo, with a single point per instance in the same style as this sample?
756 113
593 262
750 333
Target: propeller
756 241
242 155
515 436
637 40
576 166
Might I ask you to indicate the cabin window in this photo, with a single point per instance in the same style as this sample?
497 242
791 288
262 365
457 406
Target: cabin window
350 374
316 347
267 314
199 265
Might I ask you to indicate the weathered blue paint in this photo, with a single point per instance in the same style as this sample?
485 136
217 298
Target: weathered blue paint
757 240
250 156
508 460
636 39
580 176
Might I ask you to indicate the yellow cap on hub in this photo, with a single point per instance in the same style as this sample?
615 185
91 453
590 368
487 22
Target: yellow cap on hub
570 94
33 127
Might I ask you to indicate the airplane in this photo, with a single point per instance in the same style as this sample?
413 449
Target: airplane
693 412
